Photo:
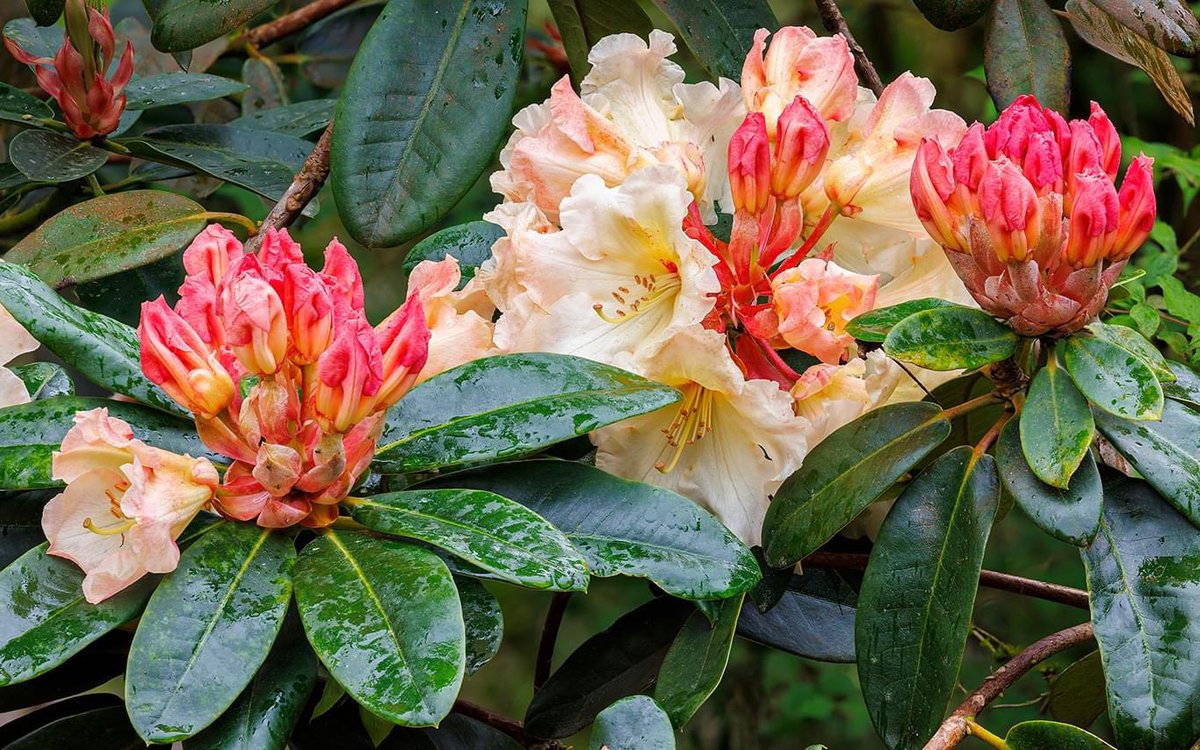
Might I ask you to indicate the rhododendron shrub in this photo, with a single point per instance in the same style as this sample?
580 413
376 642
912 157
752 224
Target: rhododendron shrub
688 297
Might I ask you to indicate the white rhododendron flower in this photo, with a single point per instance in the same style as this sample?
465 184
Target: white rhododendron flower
14 341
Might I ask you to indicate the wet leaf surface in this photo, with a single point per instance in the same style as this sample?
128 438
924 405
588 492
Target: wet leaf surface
633 723
327 48
1077 693
16 105
181 25
45 156
1186 387
1025 52
484 622
106 728
875 325
582 23
696 660
1168 24
44 380
298 120
950 338
21 525
814 619
1049 735
164 89
719 32
1056 426
470 244
1113 379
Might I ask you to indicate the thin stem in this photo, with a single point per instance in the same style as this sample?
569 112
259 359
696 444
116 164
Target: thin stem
303 189
297 20
94 184
954 412
11 223
244 221
983 734
835 23
511 727
1051 592
545 652
990 436
959 723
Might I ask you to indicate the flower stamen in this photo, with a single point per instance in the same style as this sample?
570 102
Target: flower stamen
654 289
691 423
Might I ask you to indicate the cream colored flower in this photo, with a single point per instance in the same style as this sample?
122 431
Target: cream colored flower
14 341
460 321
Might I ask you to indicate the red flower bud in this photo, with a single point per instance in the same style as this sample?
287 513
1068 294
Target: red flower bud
309 309
255 326
1137 208
175 358
1093 220
404 342
750 164
1009 207
349 374
801 143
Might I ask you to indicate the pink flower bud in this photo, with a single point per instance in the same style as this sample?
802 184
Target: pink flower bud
801 144
212 253
1009 206
175 358
1137 208
1083 156
1093 220
309 308
404 341
349 374
970 158
799 63
279 250
750 165
340 267
255 325
1043 164
1109 140
933 188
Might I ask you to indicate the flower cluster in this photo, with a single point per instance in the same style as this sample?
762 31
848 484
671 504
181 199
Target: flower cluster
77 77
1030 215
611 252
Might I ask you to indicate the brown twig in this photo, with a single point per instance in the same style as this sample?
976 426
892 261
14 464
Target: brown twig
297 20
835 23
955 727
304 187
511 727
545 652
1051 592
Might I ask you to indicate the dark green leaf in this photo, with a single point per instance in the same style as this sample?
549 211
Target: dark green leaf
484 622
45 619
508 406
267 87
633 723
844 474
120 296
1136 344
696 660
582 23
1073 514
16 105
37 41
207 629
1025 52
327 47
45 12
1049 735
1056 426
29 433
1186 387
20 527
385 619
102 349
44 380
46 156
399 162
813 619
270 707
1145 589
299 119
914 608
108 235
87 670
617 662
105 728
625 528
485 529
165 89
1113 379
1166 453
950 338
181 25
875 325
1168 24
470 244
719 32
952 15
1077 693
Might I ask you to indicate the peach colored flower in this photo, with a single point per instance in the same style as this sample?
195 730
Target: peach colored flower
459 320
124 505
799 63
814 301
14 341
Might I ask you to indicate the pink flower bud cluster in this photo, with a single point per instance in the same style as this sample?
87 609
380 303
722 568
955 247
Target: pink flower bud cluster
282 371
1030 213
77 76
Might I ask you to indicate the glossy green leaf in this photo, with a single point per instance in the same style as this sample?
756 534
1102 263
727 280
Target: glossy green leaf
952 15
45 12
1169 24
385 619
207 629
633 723
1166 453
696 660
625 528
44 380
875 325
582 23
483 528
120 296
260 161
17 106
270 707
470 244
914 608
950 338
844 474
1186 387
164 89
814 619
102 349
89 669
1056 426
1049 735
1113 379
30 432
1077 693
399 162
109 234
45 619
36 40
101 728
21 527
615 663
1136 344
47 156
1025 52
1145 591
509 406
181 25
719 32
327 48
1073 514
484 621
298 120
